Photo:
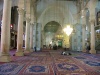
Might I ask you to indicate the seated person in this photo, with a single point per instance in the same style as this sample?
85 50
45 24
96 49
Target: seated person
63 53
66 53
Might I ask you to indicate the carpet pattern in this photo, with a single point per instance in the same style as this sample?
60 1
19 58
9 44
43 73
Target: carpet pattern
68 67
52 63
38 69
10 68
93 63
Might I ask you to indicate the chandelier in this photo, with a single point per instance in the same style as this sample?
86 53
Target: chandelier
68 30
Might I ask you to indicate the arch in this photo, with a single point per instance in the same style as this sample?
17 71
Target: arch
46 14
51 26
61 12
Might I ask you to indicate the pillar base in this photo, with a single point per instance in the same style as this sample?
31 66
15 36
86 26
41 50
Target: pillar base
92 51
83 50
19 53
27 51
31 50
5 58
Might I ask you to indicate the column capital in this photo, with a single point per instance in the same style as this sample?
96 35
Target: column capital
32 23
83 12
84 20
20 11
92 17
83 25
92 4
28 19
92 21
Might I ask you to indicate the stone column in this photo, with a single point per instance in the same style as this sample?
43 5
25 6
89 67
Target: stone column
44 38
34 26
31 26
19 51
83 38
5 34
83 16
34 34
92 7
27 36
83 30
42 41
31 36
92 51
38 36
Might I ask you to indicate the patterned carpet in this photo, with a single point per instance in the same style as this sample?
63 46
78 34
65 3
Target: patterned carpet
52 63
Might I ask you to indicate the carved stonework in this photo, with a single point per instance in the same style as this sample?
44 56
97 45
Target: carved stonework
84 20
83 13
92 21
28 19
92 5
20 11
92 17
31 24
83 26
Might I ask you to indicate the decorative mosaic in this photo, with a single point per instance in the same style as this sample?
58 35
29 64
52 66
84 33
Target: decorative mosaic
77 38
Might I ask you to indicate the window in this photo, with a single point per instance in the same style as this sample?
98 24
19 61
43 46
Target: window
98 18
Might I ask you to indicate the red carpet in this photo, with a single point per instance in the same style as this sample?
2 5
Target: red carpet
52 63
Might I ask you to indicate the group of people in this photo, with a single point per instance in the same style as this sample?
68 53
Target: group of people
66 52
54 47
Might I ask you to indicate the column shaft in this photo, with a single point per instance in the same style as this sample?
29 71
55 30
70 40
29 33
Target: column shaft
83 38
42 41
92 6
31 36
34 35
38 36
5 34
27 36
92 51
20 33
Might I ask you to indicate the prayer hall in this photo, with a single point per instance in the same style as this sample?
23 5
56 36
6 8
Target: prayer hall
49 37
